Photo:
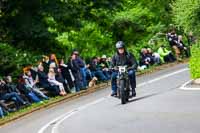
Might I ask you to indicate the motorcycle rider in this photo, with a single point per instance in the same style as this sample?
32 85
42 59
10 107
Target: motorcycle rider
121 58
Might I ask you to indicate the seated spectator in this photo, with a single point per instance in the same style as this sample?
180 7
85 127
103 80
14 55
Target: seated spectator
11 87
154 57
44 83
10 96
52 80
27 91
30 84
165 55
96 71
104 65
144 60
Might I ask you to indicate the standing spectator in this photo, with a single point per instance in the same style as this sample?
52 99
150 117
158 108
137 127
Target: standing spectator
67 75
181 46
75 69
82 66
191 38
45 63
171 37
53 60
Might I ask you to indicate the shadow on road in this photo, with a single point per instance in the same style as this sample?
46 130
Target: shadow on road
150 95
143 97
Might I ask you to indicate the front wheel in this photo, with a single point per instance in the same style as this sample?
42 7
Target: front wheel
123 92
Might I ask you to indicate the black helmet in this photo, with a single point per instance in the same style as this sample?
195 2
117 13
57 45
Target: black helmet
120 44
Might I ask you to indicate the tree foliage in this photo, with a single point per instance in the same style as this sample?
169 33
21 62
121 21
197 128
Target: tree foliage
186 14
92 26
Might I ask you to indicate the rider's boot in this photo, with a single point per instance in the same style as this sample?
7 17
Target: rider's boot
133 93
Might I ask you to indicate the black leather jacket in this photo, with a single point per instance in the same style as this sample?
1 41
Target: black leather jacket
124 59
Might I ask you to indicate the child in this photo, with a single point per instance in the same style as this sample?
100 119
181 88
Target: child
52 80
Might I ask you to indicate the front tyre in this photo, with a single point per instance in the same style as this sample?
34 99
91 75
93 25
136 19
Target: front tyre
122 92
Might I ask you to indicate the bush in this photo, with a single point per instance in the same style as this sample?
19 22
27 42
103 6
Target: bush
195 62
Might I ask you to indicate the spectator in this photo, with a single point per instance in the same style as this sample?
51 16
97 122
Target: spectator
11 87
154 57
45 63
52 80
10 96
44 83
27 91
171 37
95 70
67 75
104 65
53 60
60 79
144 60
30 84
165 55
75 69
181 47
82 66
191 39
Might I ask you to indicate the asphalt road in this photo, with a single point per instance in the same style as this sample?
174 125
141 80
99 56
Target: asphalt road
160 106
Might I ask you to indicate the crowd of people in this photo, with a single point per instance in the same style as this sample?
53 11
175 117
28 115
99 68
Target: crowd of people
57 77
60 77
176 50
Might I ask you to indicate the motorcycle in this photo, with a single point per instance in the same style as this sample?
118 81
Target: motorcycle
123 84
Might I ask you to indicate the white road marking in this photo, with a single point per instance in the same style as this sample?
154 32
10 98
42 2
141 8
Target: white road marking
162 77
183 87
55 127
57 121
61 118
